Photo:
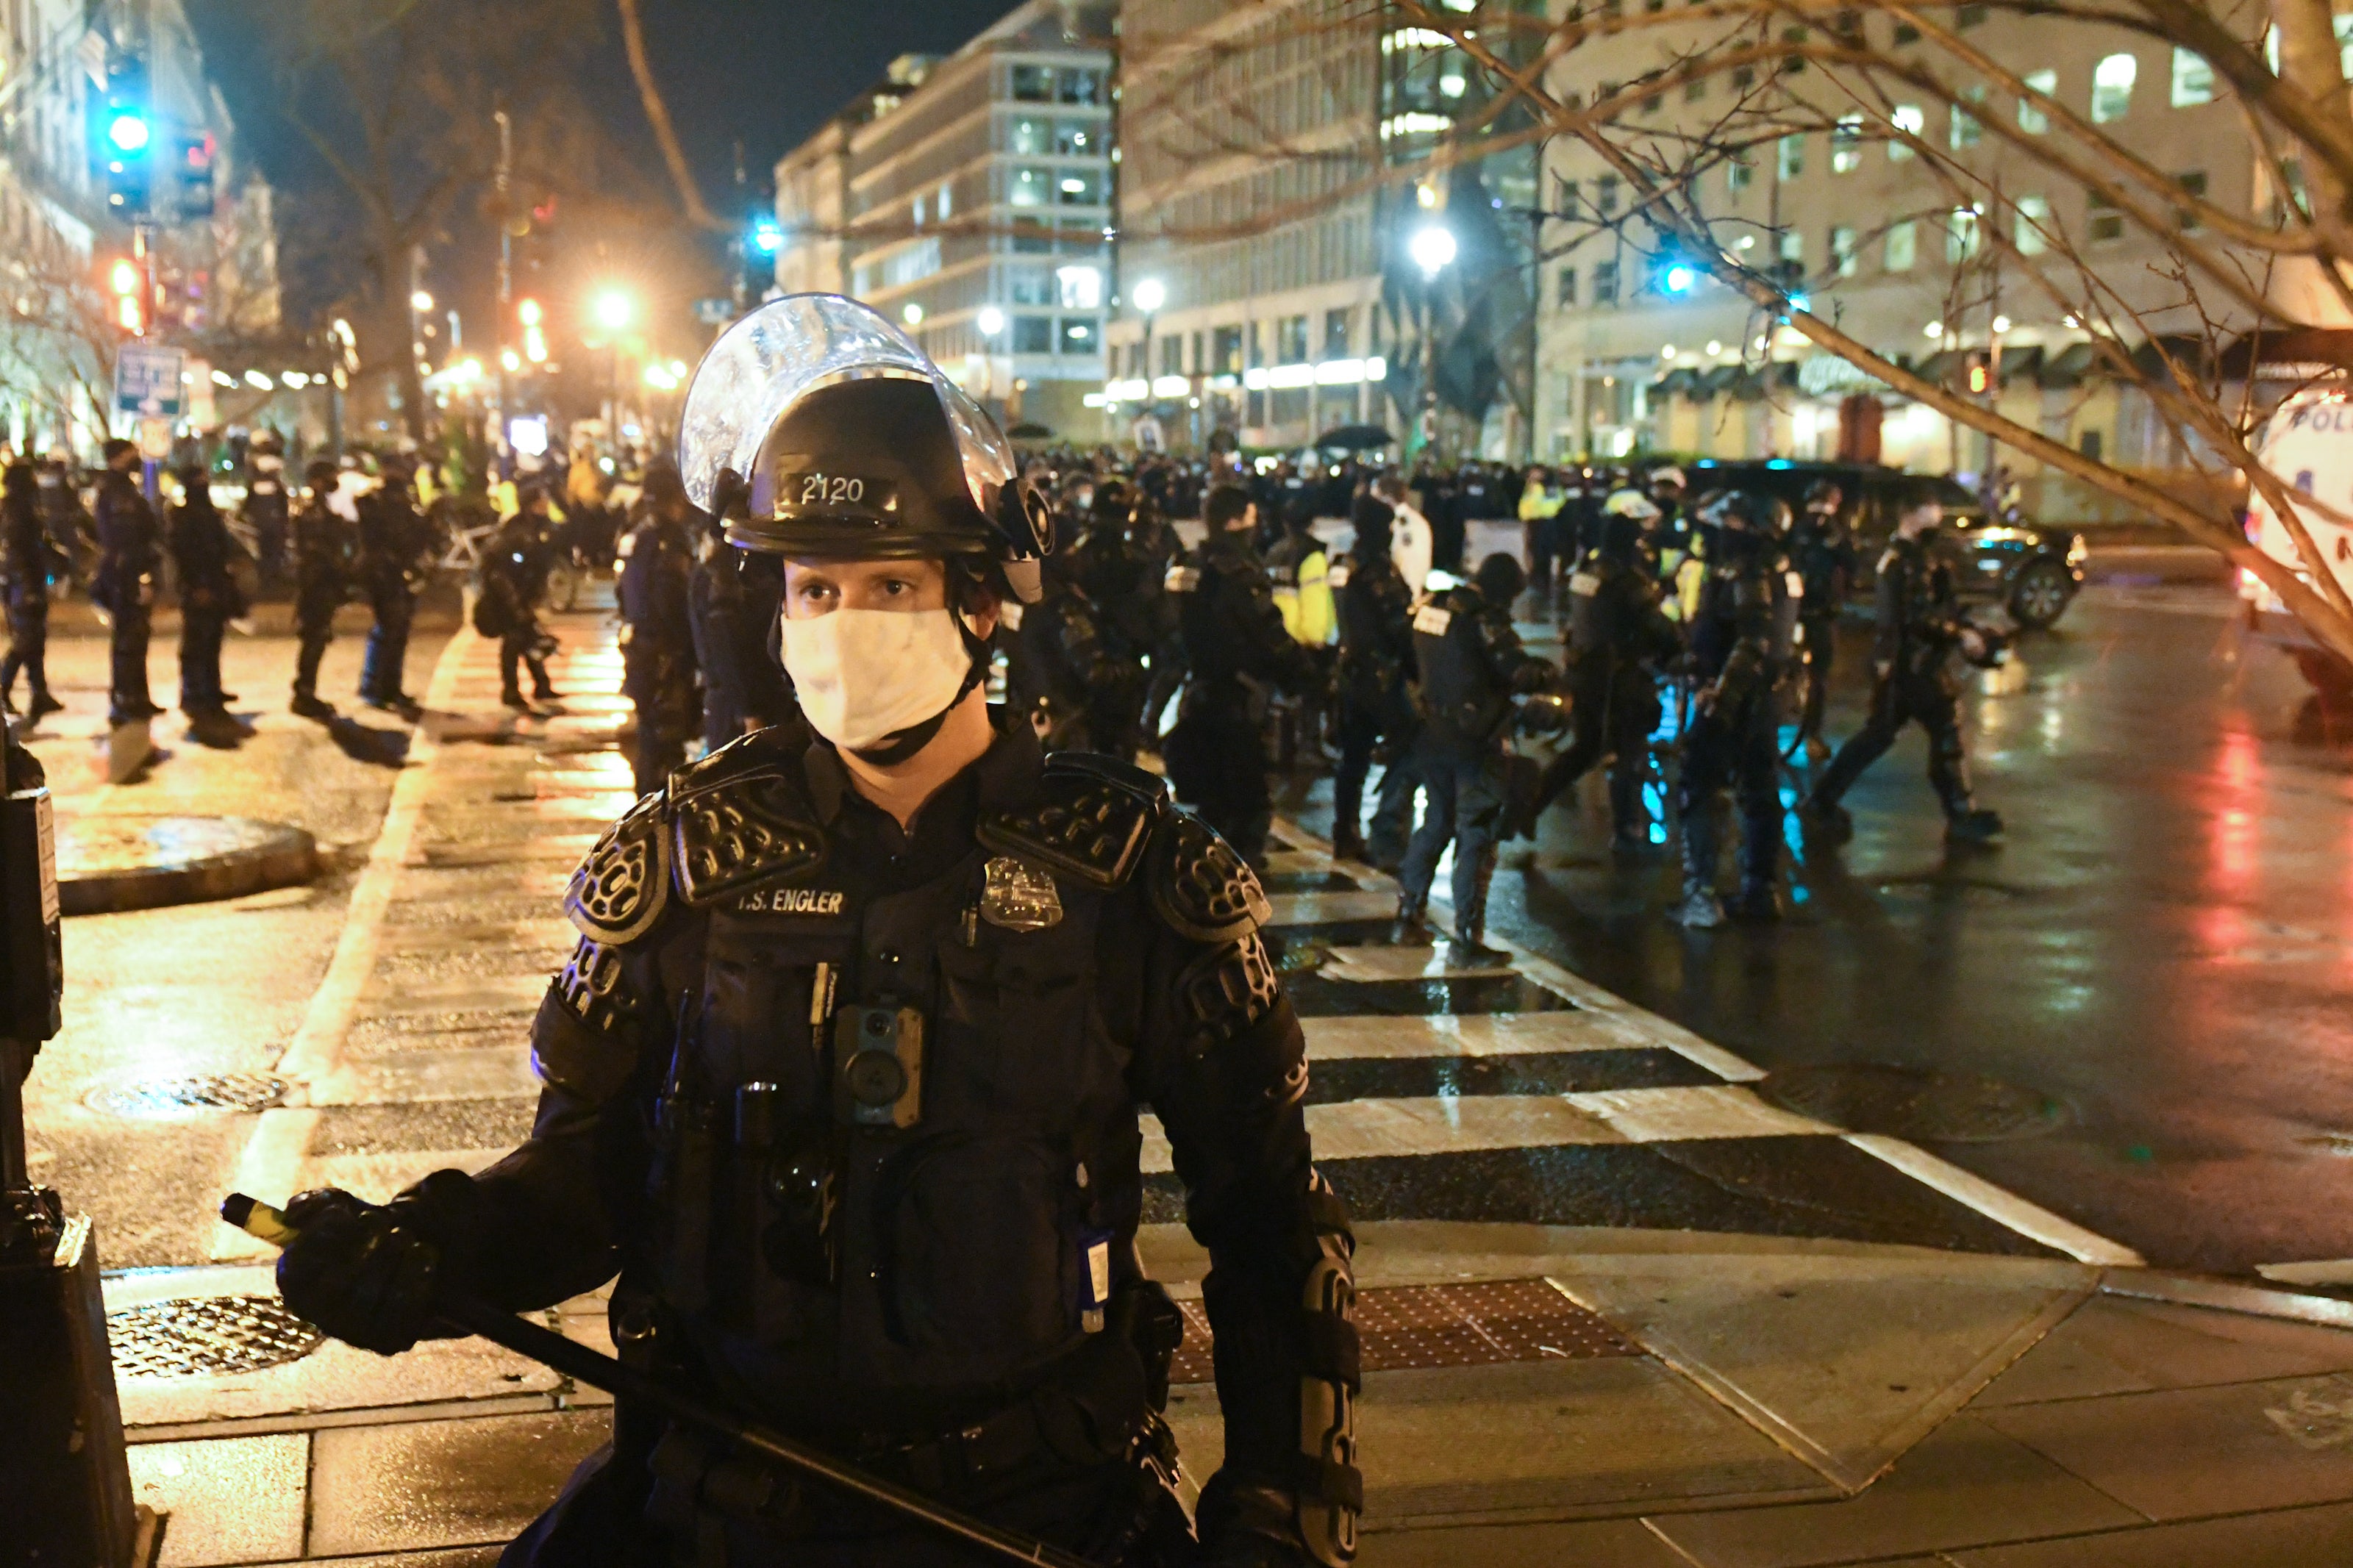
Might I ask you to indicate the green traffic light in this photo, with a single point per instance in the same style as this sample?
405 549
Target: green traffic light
128 132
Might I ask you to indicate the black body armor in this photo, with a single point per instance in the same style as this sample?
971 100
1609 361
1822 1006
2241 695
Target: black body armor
856 1116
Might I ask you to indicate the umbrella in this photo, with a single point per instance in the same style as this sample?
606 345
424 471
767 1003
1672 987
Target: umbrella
1356 438
1029 431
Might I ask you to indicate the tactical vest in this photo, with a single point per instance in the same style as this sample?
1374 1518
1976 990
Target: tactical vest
1458 697
897 1154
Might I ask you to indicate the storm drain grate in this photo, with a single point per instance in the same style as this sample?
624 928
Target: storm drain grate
1407 1327
207 1336
183 1096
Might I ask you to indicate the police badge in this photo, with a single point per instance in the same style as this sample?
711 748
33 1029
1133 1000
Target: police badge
1018 898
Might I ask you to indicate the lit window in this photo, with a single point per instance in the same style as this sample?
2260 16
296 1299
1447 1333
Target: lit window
1081 287
2193 79
1961 235
1791 152
1965 127
1027 188
1844 252
1846 144
2112 86
1907 117
2030 117
2033 225
1903 246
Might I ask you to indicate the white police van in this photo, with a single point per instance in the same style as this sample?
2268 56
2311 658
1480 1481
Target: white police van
2308 442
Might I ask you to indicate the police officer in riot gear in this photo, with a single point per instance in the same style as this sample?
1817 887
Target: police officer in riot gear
130 558
1059 665
1236 647
657 568
1821 547
742 688
326 547
843 1078
1744 650
1920 628
28 558
393 539
1618 637
1472 665
209 596
514 583
1123 572
268 508
1375 677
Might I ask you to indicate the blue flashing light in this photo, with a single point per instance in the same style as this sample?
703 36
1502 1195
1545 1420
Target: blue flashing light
1801 302
1679 278
1780 463
128 132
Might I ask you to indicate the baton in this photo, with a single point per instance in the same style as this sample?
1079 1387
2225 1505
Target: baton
577 1362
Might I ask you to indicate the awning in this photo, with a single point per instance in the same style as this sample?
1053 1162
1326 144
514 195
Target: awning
2289 353
2066 368
2019 363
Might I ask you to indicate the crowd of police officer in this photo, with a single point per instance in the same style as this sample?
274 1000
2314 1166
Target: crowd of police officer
1721 608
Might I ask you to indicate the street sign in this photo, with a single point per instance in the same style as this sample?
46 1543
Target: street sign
147 381
714 312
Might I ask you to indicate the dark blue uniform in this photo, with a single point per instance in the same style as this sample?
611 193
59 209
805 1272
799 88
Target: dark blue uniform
1236 647
658 644
129 559
1472 664
209 596
27 559
1743 648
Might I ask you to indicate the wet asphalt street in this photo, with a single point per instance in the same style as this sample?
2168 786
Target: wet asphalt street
2130 1009
2153 966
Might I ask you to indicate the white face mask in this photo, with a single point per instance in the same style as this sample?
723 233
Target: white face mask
865 674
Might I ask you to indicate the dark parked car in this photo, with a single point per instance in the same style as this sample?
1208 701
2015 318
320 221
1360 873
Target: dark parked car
2031 572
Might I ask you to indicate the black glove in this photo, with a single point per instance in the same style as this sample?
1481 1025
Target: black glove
369 1273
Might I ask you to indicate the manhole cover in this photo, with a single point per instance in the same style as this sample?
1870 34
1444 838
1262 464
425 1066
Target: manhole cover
1912 1102
205 1336
190 1095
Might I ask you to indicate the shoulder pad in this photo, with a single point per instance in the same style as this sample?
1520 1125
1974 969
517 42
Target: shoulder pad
1204 890
740 815
1091 820
620 890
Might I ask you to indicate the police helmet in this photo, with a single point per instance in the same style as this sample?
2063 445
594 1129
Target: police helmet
1826 493
1630 504
1500 578
815 427
1747 509
1668 475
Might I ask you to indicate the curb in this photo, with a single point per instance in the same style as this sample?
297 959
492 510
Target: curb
161 860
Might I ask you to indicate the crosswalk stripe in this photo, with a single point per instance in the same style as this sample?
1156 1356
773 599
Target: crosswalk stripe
1477 1035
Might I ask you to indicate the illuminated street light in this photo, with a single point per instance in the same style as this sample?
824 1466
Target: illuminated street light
126 278
420 302
913 315
529 313
614 311
260 381
510 359
1150 295
991 320
1432 248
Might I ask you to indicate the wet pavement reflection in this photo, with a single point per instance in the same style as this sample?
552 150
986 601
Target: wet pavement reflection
2160 944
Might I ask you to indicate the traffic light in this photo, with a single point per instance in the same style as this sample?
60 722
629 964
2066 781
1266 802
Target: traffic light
126 139
129 284
194 170
534 333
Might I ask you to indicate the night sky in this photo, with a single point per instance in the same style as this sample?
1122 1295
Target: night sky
766 71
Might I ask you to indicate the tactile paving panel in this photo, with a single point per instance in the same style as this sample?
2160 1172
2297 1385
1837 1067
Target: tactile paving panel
1406 1326
200 1336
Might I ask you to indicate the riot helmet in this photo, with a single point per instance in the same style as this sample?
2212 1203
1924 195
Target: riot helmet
1500 578
1630 504
815 427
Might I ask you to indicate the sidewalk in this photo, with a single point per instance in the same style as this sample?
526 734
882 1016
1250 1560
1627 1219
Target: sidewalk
1533 1396
1687 1327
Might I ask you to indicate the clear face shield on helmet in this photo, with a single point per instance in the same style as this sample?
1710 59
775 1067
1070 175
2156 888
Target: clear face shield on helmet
770 365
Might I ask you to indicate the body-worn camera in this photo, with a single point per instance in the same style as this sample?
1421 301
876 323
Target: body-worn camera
878 1077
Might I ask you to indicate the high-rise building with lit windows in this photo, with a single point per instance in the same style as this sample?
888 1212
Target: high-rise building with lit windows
967 197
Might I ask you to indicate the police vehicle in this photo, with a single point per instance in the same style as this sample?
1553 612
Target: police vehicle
2030 571
2308 442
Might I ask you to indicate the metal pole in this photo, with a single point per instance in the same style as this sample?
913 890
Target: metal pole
576 1360
506 283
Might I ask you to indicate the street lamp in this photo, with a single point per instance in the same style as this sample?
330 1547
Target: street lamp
1149 295
991 320
420 302
913 315
614 311
1432 248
